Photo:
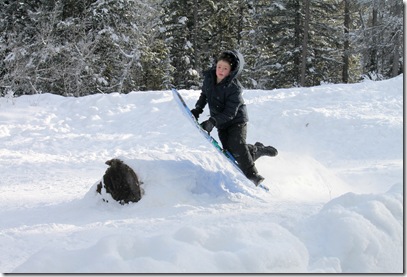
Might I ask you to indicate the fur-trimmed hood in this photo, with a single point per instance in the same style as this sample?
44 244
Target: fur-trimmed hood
238 57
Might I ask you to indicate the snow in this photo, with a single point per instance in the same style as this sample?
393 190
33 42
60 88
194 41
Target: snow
335 204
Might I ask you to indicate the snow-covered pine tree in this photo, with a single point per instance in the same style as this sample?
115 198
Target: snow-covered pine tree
379 38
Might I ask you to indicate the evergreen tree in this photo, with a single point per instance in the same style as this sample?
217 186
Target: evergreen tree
275 44
91 46
351 68
122 28
18 22
178 26
379 38
156 70
197 31
326 43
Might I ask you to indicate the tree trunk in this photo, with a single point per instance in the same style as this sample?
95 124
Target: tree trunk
396 57
305 42
373 52
397 12
195 37
297 42
345 67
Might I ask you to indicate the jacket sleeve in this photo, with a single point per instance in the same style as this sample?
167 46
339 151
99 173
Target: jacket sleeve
201 103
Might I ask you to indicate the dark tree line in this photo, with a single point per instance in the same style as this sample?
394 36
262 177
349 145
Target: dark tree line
82 47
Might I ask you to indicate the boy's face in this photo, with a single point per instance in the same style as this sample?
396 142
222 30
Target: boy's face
222 70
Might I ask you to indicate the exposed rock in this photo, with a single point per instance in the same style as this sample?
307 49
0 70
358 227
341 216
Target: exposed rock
121 182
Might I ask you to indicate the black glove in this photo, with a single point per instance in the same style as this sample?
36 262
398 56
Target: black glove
196 112
208 125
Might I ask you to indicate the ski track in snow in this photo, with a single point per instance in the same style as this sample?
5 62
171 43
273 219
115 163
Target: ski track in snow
335 204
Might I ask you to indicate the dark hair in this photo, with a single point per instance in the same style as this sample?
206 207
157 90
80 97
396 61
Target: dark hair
229 57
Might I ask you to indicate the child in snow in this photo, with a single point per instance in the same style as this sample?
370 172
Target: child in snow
223 93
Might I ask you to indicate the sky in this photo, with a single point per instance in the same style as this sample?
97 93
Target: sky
335 203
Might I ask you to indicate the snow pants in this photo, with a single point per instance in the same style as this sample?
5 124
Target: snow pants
233 138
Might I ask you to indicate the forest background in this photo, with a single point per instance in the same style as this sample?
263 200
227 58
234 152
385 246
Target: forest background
82 47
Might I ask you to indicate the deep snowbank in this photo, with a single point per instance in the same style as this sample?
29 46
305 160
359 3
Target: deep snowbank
336 203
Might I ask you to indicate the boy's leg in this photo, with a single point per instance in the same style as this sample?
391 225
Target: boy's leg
234 140
252 150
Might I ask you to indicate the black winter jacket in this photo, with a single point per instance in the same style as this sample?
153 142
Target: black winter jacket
225 101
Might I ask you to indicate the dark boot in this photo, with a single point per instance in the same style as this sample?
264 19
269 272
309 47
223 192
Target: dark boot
253 176
260 150
256 179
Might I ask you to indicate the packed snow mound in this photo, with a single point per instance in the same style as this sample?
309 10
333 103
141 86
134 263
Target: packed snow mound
359 231
351 234
335 204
